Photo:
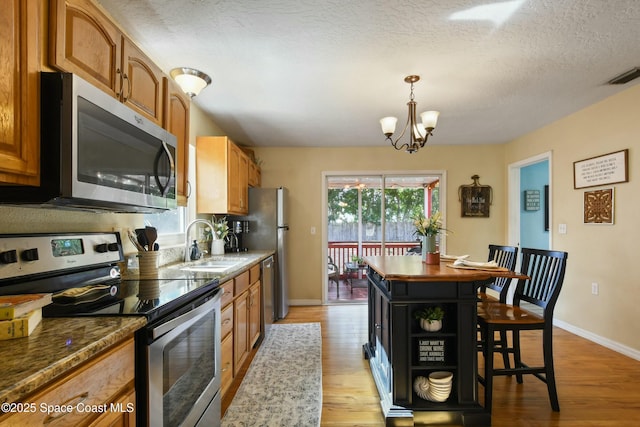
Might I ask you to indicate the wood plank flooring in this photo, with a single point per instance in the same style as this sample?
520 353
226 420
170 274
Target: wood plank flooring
596 386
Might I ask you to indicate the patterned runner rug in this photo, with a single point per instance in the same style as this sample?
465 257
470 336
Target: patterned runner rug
283 386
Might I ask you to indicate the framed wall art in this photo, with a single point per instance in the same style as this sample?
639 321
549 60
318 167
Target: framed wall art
598 206
607 169
475 198
531 200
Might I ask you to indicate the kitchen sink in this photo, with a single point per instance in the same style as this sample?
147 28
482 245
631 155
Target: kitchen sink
214 266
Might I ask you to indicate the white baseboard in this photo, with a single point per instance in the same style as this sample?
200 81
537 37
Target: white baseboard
613 345
305 302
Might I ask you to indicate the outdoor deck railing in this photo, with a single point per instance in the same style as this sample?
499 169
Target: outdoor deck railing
342 252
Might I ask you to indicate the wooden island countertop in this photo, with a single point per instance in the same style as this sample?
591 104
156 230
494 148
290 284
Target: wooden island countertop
412 269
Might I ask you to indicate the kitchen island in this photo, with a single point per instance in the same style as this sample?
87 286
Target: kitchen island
399 351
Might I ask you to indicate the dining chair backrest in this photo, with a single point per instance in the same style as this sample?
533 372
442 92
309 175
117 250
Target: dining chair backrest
505 256
546 270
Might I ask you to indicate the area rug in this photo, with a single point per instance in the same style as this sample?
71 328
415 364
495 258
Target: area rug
283 386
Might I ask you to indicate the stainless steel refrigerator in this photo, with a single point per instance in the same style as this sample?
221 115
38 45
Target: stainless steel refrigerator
268 225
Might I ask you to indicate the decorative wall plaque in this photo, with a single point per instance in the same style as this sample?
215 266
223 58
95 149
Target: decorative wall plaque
475 198
609 168
531 200
598 206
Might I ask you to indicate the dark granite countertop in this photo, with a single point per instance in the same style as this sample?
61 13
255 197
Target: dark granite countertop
55 347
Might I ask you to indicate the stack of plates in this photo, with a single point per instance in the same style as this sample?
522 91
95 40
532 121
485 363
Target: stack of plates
436 388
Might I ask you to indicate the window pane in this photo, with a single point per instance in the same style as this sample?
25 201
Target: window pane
169 222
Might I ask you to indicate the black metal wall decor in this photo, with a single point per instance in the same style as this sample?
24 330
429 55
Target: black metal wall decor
475 198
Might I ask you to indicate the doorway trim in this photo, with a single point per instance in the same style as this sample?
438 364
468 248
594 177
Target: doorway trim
515 200
382 173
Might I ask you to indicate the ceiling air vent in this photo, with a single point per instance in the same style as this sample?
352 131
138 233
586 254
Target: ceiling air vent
625 77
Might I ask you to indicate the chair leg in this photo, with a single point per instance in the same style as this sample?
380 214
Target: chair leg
517 358
547 344
504 346
488 367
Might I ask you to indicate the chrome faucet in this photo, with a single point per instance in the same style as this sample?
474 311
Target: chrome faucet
186 235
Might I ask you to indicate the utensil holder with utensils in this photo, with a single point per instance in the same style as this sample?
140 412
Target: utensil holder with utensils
148 284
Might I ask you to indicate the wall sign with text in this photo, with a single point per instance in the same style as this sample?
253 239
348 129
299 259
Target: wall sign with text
607 169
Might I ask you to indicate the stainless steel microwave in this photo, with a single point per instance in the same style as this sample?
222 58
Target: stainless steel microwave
97 153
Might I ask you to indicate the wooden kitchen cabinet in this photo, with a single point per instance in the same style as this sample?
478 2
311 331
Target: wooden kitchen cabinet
107 380
176 120
84 41
241 346
255 175
226 364
254 314
240 331
19 92
255 308
222 171
116 418
241 325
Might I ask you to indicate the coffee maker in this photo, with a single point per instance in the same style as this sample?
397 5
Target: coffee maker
234 238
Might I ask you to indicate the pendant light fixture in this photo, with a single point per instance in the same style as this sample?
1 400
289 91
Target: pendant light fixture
419 132
190 80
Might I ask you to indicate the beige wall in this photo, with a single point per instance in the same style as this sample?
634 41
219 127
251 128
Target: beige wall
300 170
597 253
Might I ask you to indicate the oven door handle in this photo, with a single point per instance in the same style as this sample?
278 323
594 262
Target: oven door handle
186 319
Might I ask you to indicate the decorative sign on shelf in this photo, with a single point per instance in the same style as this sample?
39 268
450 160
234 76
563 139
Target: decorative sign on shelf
598 206
607 169
475 198
531 200
431 350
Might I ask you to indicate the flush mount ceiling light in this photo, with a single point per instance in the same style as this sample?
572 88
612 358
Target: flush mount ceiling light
190 80
419 133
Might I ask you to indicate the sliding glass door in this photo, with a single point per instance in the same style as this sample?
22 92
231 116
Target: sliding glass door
371 215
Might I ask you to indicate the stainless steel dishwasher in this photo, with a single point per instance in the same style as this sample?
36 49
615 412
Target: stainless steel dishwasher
268 300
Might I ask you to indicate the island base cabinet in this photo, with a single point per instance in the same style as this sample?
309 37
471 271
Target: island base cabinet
399 351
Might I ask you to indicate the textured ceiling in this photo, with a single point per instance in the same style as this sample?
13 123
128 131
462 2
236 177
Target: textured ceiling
322 73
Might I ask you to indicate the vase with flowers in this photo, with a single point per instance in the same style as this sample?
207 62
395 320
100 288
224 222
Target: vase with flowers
220 231
428 229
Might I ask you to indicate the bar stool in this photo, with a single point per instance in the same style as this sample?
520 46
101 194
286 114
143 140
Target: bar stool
505 256
545 270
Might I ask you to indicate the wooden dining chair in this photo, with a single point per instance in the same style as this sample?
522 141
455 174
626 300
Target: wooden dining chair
333 273
545 270
505 256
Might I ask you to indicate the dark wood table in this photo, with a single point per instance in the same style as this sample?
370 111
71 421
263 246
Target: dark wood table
398 287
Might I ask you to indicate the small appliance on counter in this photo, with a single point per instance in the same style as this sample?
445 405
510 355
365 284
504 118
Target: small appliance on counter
237 230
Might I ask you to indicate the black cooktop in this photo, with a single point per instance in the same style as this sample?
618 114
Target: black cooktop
81 271
149 298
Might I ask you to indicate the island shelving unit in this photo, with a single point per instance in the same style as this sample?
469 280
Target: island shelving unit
398 349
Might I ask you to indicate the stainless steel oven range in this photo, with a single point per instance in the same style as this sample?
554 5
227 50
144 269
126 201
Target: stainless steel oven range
177 353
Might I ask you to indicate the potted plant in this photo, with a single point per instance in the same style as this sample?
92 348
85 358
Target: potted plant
428 229
430 318
220 231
